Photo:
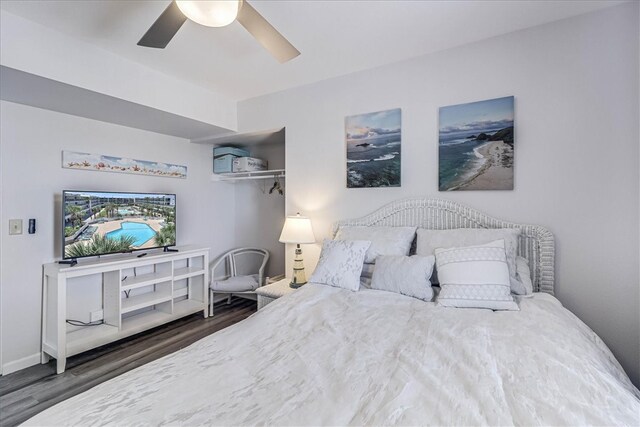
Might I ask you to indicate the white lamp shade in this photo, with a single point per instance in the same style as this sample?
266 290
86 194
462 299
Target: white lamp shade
211 13
297 229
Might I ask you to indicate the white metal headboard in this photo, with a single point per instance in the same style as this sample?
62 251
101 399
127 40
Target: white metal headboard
536 242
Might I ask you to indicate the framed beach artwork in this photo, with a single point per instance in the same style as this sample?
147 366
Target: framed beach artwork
102 163
373 149
476 146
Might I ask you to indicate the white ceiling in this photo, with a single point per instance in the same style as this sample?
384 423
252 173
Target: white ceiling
335 37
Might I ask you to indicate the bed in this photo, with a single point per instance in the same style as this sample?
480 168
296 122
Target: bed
329 356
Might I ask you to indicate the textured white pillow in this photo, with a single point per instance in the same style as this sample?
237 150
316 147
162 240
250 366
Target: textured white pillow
524 274
340 263
404 275
475 276
428 240
384 240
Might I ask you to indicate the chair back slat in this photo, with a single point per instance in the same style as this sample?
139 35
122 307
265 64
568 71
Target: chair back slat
232 263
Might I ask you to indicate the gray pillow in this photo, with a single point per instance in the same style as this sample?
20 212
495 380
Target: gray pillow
236 284
404 275
429 240
366 275
524 274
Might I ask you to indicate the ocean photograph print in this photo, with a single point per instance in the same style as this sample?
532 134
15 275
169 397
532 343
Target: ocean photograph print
476 146
373 149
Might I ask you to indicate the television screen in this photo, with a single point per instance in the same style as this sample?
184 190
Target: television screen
99 223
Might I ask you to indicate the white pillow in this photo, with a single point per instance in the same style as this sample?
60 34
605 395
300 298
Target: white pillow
475 276
524 274
428 240
384 240
340 263
404 275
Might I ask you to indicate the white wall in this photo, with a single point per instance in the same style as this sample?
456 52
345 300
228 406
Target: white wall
31 141
576 165
259 215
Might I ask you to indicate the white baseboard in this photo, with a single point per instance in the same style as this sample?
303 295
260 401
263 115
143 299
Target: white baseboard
19 364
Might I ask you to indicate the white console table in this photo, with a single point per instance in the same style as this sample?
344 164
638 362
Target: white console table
137 294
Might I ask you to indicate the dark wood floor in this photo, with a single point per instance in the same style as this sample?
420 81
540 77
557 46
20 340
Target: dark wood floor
29 391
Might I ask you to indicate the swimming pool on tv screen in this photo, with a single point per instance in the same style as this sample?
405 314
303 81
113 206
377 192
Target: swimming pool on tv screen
142 233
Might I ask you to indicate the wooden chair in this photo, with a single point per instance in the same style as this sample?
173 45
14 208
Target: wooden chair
240 278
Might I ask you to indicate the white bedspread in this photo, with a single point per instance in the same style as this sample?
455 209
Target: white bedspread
326 356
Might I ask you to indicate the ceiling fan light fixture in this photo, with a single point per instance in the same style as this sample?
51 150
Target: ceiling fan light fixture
211 13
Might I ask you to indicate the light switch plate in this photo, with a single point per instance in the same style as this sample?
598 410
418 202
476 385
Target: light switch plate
15 226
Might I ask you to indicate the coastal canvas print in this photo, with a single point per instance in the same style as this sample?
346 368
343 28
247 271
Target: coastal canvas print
373 149
476 146
102 163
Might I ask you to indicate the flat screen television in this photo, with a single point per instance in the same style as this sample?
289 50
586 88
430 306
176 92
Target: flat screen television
99 222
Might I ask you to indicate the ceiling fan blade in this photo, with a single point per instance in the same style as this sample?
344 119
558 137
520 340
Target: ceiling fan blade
266 35
165 27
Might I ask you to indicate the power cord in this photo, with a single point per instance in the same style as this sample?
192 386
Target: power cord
81 323
74 322
126 293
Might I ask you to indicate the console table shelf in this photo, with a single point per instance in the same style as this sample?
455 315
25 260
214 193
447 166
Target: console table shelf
144 300
186 272
169 286
144 280
146 320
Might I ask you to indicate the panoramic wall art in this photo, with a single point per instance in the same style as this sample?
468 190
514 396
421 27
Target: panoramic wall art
373 149
102 163
476 146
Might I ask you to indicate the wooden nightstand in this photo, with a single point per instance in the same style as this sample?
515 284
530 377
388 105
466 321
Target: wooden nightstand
269 293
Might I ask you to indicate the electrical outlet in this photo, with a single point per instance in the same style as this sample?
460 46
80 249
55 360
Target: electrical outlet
15 226
96 316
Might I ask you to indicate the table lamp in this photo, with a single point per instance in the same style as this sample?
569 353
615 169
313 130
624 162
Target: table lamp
297 229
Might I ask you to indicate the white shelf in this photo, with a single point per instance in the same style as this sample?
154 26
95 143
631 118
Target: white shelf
143 321
123 316
89 337
243 176
145 300
187 306
134 282
181 292
149 319
186 272
118 262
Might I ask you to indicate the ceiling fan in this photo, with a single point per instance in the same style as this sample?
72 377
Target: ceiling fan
218 13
